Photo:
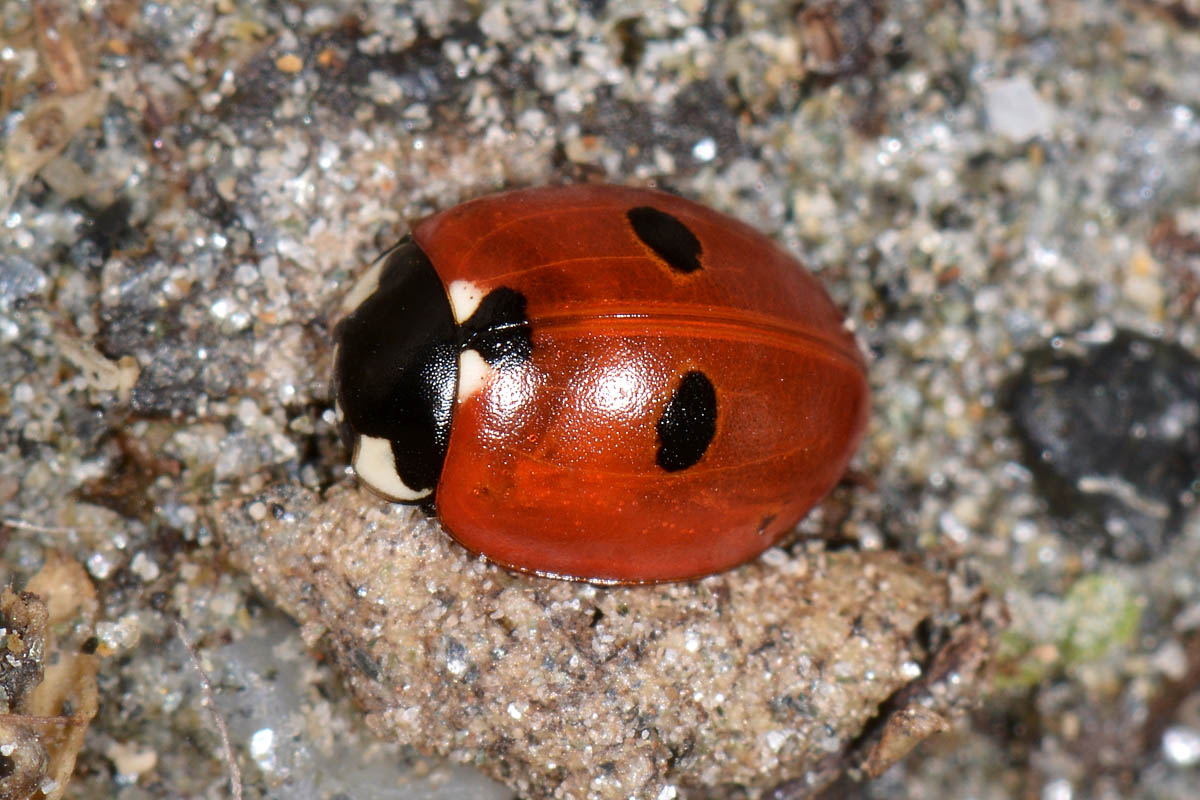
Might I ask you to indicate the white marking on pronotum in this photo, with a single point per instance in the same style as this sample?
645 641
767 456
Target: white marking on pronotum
464 299
375 466
364 287
473 372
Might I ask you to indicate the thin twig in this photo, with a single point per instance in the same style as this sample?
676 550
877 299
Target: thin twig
235 774
22 525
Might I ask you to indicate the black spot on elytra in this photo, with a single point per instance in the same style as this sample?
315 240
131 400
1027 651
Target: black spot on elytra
688 423
669 238
499 329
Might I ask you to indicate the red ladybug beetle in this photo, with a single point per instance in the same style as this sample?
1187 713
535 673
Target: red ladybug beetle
598 383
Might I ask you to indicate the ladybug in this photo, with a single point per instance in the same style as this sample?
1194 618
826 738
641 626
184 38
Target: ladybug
598 383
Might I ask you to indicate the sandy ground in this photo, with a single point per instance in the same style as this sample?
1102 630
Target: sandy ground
187 189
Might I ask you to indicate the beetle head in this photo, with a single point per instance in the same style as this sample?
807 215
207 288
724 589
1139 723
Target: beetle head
396 374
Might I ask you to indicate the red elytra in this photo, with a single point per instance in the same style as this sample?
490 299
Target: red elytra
645 389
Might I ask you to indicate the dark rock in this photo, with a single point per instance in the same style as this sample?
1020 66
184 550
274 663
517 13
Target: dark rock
1112 435
175 382
108 228
699 112
837 37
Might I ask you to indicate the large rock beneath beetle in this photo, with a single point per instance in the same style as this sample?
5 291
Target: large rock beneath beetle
766 674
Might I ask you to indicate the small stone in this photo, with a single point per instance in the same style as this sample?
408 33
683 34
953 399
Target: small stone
262 748
1112 434
131 760
1015 110
1181 746
903 731
290 63
19 278
144 567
